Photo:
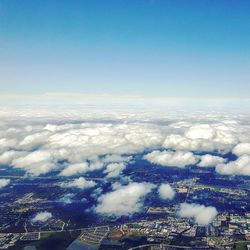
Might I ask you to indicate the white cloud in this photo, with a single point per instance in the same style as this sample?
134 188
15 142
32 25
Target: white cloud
203 137
116 158
166 191
114 169
239 167
35 163
7 143
180 142
210 160
4 182
124 200
75 169
95 165
80 183
241 149
38 141
42 217
201 131
89 140
8 156
32 158
34 140
174 159
202 215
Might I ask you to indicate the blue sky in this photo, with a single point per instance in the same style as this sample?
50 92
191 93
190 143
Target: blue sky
178 48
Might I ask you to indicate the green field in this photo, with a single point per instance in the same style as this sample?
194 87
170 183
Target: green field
242 245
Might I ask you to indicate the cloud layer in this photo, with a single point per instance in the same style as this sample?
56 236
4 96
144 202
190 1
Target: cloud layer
47 142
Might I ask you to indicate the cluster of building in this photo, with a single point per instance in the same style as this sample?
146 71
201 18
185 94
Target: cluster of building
221 233
94 235
8 239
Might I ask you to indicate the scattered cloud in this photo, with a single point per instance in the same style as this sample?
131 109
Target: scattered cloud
201 214
239 167
168 158
8 156
75 169
201 131
179 142
241 149
203 137
124 200
114 169
210 160
67 198
166 191
116 158
34 140
4 182
35 163
80 183
42 217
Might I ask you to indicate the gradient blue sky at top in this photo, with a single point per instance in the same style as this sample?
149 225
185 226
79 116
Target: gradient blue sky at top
177 48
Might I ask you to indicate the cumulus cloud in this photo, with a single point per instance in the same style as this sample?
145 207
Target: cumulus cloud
42 217
180 142
210 160
39 147
203 137
116 158
75 169
201 214
114 169
34 140
32 158
124 200
80 183
241 149
168 158
95 165
7 143
43 142
35 163
166 191
8 156
201 131
239 167
4 182
86 141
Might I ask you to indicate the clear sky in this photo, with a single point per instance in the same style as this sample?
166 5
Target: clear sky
177 48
